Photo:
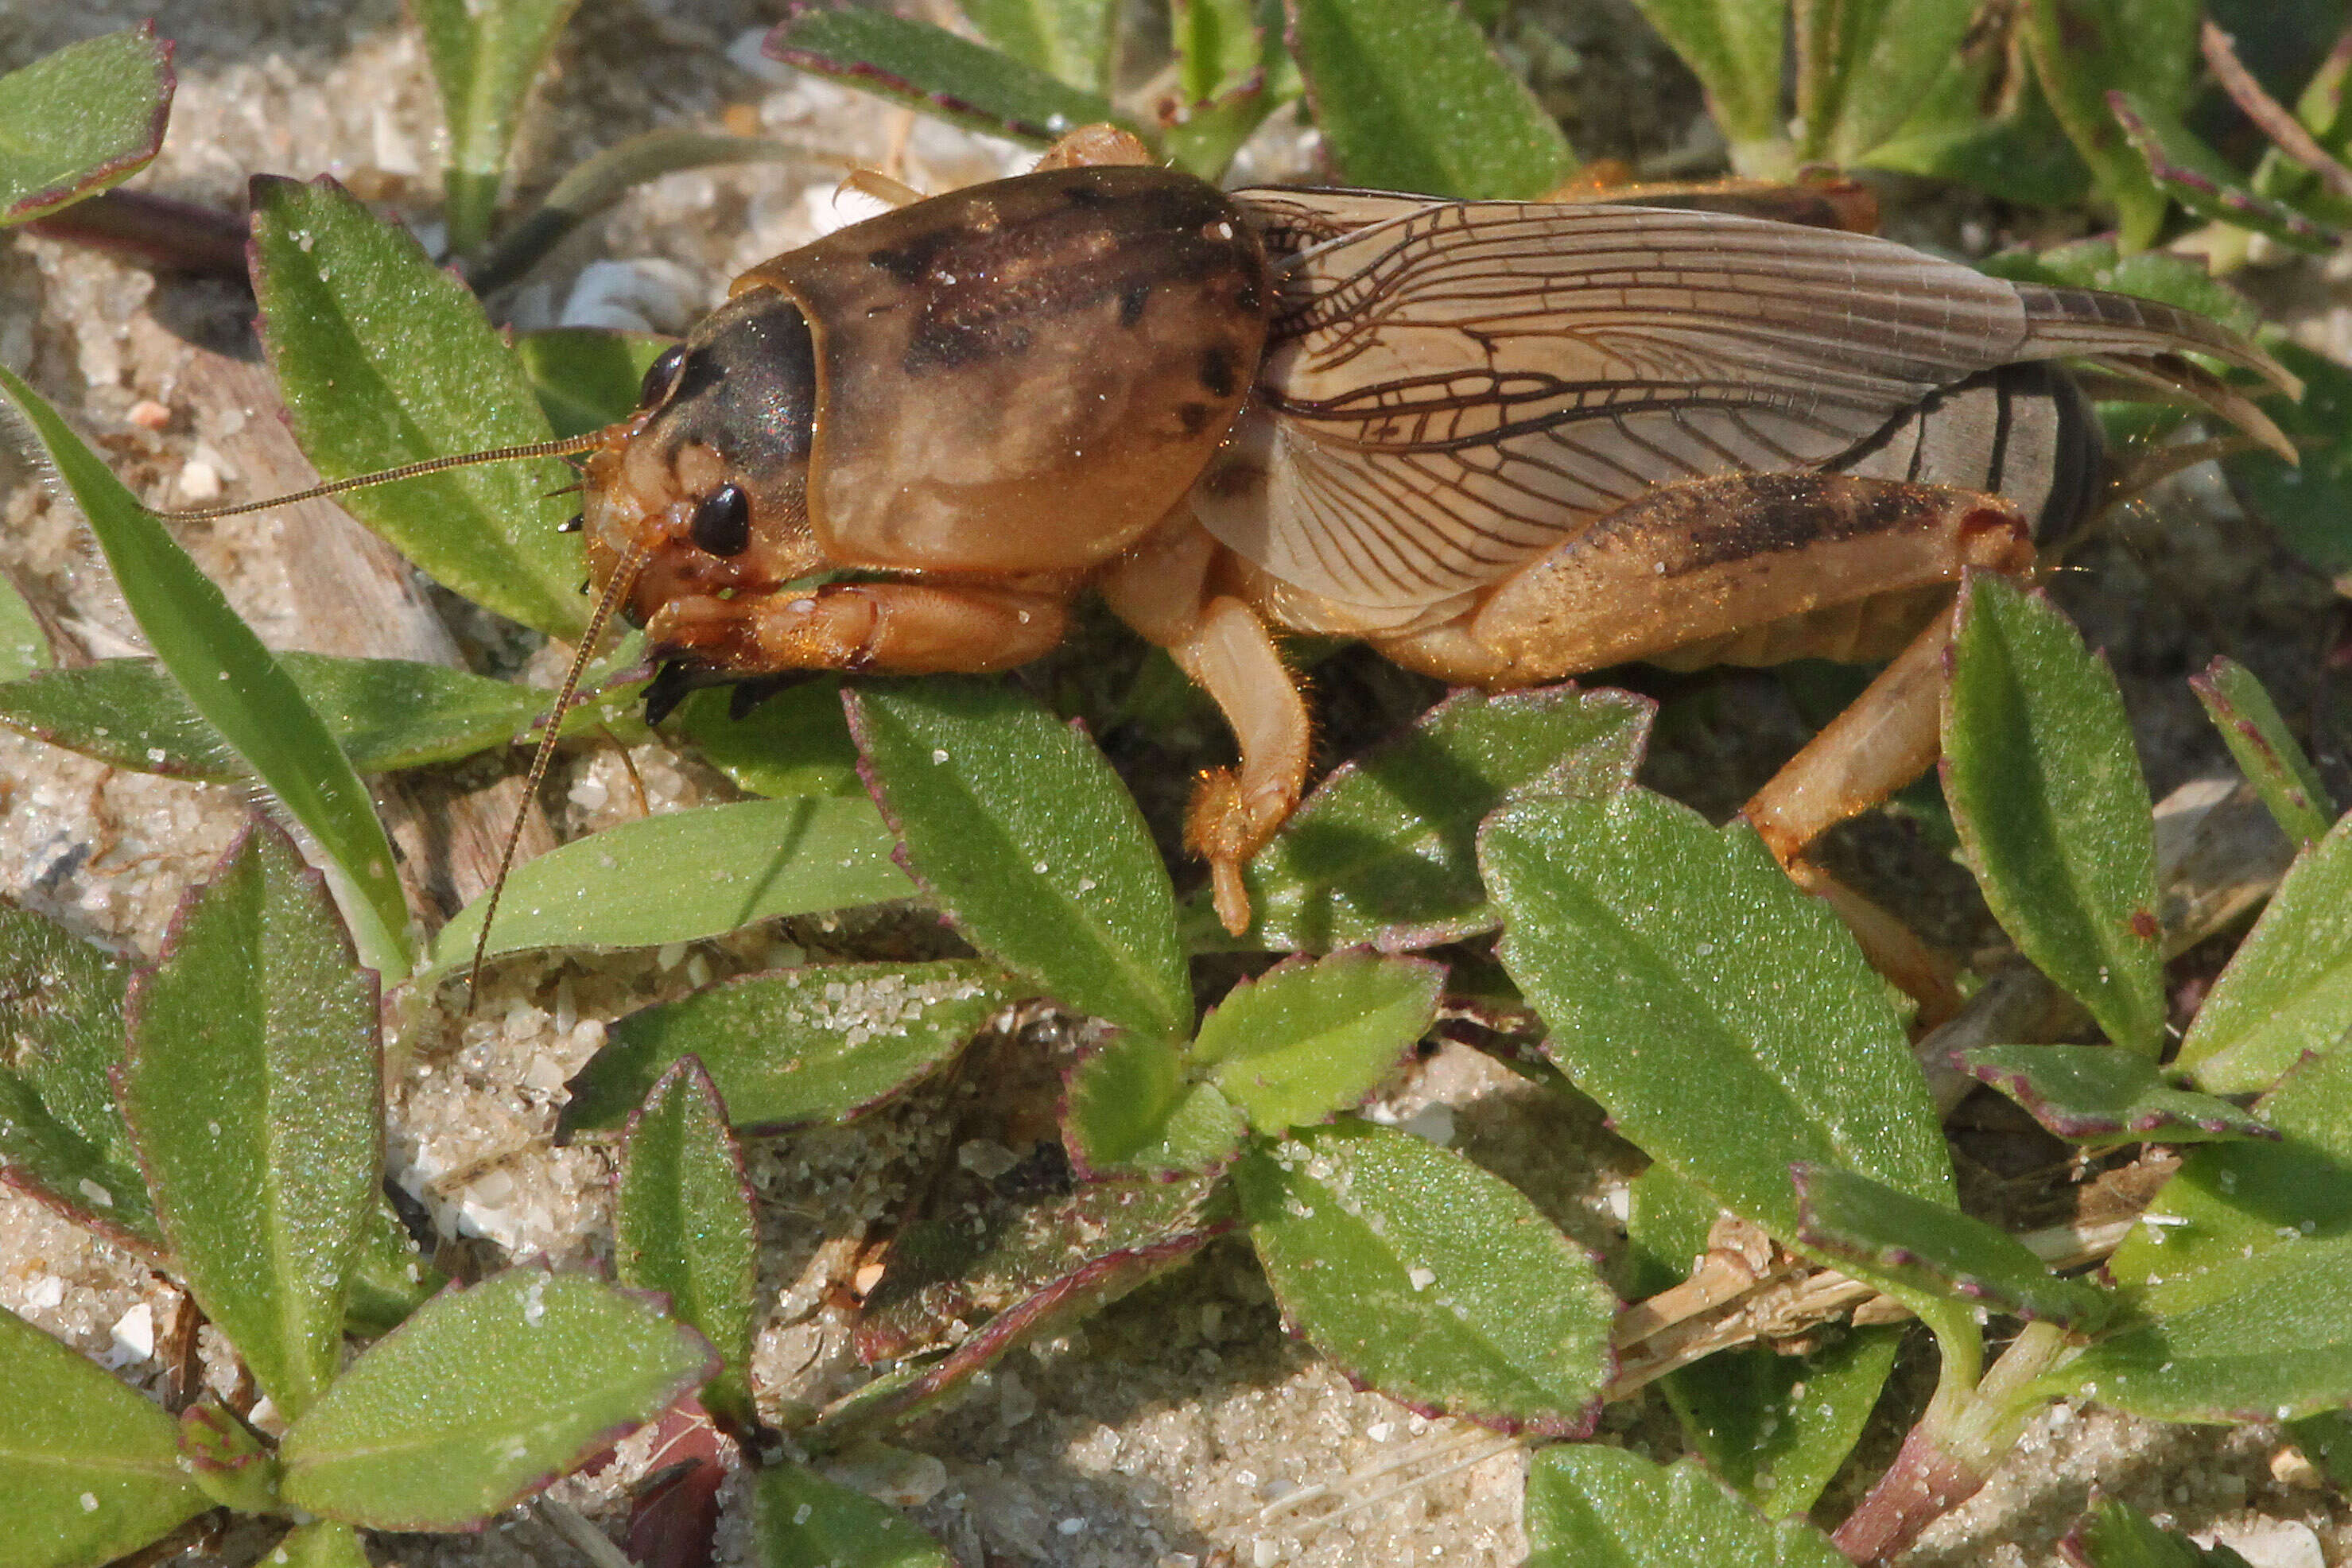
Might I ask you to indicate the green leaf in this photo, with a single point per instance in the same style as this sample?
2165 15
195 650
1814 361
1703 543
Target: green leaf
384 359
483 1396
1067 39
2267 1340
2083 49
228 1459
2019 152
385 714
61 1023
321 1543
932 69
2114 1534
2266 753
795 743
24 645
1724 1019
2096 263
1409 96
1591 1504
2097 1095
231 679
2230 1201
685 875
823 1044
253 1083
682 1224
1132 1108
1864 66
2240 1270
1775 1428
984 1249
1385 851
1308 1039
1425 1277
2288 989
586 377
2047 794
798 1517
89 1466
2310 505
484 55
50 1161
61 1134
1938 1251
1734 47
74 122
1018 827
388 1278
2198 178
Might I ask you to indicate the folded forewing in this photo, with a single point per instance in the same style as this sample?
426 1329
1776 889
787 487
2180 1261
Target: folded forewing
1452 387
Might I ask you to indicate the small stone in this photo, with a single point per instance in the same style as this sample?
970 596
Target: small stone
200 483
149 414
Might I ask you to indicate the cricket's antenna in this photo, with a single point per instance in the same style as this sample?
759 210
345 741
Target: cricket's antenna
614 592
563 448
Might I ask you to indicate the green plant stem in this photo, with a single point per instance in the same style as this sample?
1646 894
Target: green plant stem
1970 1428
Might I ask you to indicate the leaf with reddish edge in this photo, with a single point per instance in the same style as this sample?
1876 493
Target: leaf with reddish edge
827 1043
1311 1038
1425 1277
2266 753
2288 989
61 1134
1593 1504
800 1518
682 1224
934 70
1131 1108
253 1084
1385 850
1030 842
2200 179
228 1459
889 1402
977 1253
89 116
483 1396
2052 809
2096 1095
1938 1250
89 1466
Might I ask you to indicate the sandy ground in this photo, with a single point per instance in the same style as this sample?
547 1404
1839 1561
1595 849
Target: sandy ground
1178 1428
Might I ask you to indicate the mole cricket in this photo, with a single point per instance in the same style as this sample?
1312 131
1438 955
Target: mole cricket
1503 442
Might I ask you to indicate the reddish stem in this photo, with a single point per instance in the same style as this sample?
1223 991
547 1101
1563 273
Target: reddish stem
1922 1484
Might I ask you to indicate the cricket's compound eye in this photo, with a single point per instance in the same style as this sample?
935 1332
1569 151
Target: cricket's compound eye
660 376
722 521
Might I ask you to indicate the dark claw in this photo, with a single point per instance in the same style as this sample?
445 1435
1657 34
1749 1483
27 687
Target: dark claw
573 525
667 689
746 695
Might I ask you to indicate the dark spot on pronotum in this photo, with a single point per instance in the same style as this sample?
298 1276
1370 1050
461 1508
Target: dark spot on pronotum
905 264
571 524
1131 302
1192 417
722 521
1084 196
1217 370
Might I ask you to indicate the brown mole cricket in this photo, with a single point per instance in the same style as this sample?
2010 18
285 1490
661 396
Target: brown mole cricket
1503 442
